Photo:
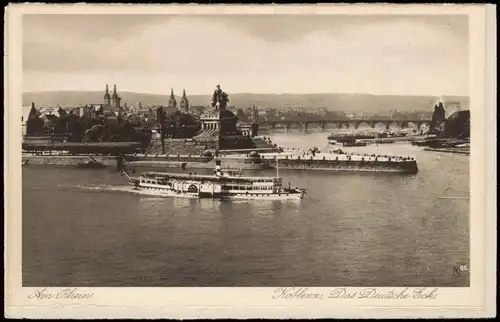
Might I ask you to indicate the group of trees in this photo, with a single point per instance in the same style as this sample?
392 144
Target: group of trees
64 124
438 119
118 132
81 129
175 125
35 125
456 125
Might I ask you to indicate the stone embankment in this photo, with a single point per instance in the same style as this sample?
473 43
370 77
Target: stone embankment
246 159
145 161
65 160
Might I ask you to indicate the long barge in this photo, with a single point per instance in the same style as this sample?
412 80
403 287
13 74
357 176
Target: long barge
348 137
344 162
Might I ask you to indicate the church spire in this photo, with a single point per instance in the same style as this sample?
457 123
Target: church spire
107 100
184 105
115 100
172 103
106 93
33 112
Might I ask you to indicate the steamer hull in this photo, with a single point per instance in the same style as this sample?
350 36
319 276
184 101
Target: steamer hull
285 196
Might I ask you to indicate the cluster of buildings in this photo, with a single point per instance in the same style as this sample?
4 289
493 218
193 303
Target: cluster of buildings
211 123
110 108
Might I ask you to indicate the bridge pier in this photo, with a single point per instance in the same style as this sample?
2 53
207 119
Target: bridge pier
305 125
323 126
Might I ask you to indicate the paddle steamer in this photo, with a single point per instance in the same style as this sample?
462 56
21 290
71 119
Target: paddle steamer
227 184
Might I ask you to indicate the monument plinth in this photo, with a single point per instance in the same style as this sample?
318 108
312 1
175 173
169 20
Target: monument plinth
219 125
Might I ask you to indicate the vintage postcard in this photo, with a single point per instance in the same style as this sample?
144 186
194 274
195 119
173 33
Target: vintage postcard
326 161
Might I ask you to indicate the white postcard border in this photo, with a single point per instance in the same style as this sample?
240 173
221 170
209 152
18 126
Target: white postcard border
258 302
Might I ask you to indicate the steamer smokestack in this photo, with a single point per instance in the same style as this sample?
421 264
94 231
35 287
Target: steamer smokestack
218 171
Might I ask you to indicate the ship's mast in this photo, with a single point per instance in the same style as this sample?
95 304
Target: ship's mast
277 168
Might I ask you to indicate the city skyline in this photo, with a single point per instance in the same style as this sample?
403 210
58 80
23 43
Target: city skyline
381 55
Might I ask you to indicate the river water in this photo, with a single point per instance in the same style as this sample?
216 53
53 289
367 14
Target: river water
86 228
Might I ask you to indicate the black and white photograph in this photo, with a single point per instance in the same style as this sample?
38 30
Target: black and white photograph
289 151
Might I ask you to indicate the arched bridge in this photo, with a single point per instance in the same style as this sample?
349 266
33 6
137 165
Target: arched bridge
340 124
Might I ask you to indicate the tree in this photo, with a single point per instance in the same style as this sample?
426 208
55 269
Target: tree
126 131
161 117
458 125
144 136
438 119
61 126
75 127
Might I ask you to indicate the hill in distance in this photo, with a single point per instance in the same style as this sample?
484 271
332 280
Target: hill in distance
331 101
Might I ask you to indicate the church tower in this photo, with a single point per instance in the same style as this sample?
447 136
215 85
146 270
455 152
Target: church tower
115 100
184 104
34 123
107 100
172 103
33 112
255 115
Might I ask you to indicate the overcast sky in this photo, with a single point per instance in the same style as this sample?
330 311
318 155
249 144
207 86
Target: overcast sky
414 55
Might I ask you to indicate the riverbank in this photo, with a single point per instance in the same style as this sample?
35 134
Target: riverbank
388 140
443 143
65 160
248 160
465 151
142 161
